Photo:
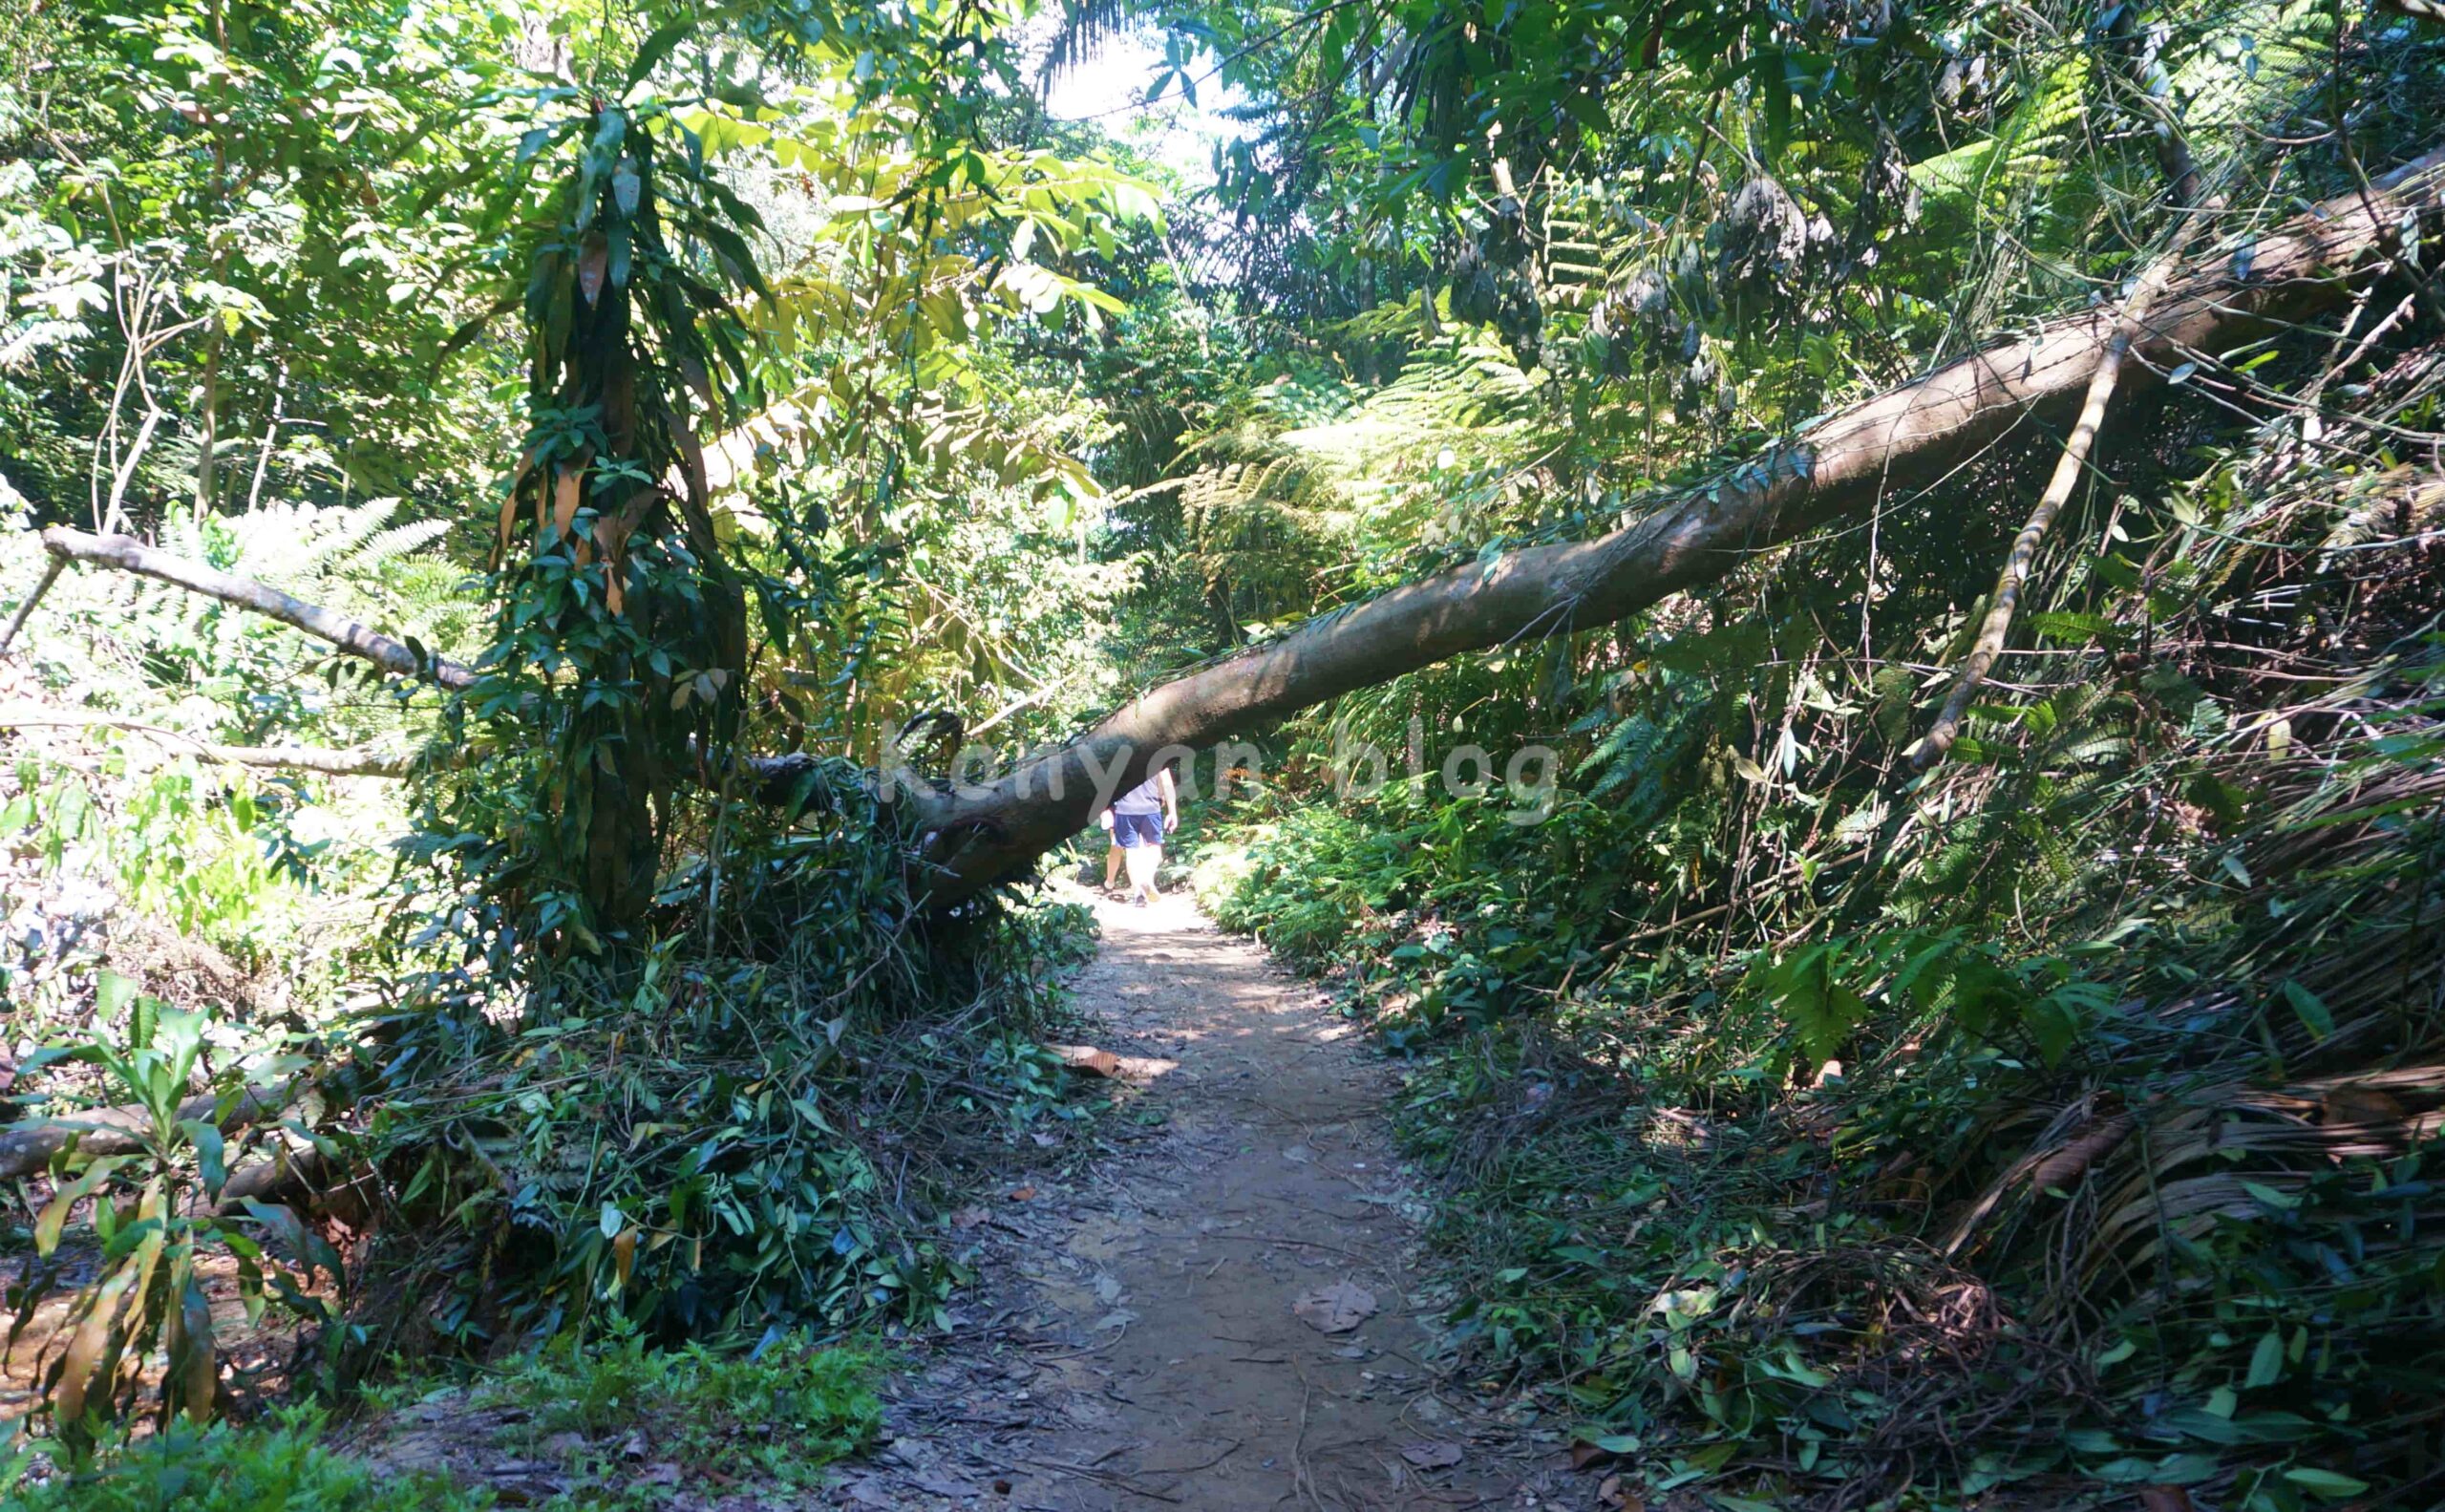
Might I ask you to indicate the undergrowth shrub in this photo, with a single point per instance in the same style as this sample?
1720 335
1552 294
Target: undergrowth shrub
2055 1127
787 1408
745 1125
279 1467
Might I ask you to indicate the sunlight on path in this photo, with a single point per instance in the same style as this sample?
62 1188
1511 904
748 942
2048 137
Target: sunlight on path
1222 1313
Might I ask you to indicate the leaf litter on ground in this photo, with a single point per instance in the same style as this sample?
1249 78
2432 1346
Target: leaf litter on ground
1337 1308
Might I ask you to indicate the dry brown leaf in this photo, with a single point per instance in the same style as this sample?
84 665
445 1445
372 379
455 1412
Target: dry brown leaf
1087 1057
1021 1193
190 1332
1104 1063
592 266
1433 1455
1337 1308
2062 1168
1611 1492
608 545
2352 1103
2164 1498
565 487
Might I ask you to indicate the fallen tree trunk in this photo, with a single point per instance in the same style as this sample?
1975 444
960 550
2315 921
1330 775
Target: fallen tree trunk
1843 465
1846 464
27 1148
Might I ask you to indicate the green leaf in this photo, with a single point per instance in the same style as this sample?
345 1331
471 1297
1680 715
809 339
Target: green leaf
1612 1444
2311 1009
2281 1202
210 1155
2266 1361
2054 1025
2326 1483
1984 995
1714 1457
656 48
110 993
1778 108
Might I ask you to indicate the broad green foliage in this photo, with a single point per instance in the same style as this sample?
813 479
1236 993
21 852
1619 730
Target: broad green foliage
153 1251
720 381
248 222
623 636
661 346
826 378
284 1469
255 866
1695 1174
770 278
698 1150
1787 1103
787 1408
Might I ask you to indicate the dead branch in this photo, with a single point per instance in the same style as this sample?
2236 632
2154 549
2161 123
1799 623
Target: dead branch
2069 466
357 761
127 554
27 1148
26 610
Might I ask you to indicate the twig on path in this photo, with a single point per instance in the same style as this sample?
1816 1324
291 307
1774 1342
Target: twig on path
1079 1355
1302 1483
1117 1483
1228 1450
1294 1244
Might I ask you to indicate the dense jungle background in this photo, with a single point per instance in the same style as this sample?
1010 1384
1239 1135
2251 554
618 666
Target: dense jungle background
497 493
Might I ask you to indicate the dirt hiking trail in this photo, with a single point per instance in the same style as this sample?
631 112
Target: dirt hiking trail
1222 1315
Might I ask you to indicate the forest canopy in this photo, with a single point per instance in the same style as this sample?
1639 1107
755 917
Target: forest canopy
572 573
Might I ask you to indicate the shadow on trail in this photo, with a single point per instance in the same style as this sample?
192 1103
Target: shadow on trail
1223 1312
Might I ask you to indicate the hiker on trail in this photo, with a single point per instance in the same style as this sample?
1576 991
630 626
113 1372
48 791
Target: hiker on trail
1138 819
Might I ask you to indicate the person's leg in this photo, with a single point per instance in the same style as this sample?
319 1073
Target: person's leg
1112 859
1142 861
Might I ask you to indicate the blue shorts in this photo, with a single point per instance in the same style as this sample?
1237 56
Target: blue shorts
1129 831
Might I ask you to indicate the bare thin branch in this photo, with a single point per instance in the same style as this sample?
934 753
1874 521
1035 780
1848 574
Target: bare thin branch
356 761
127 554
